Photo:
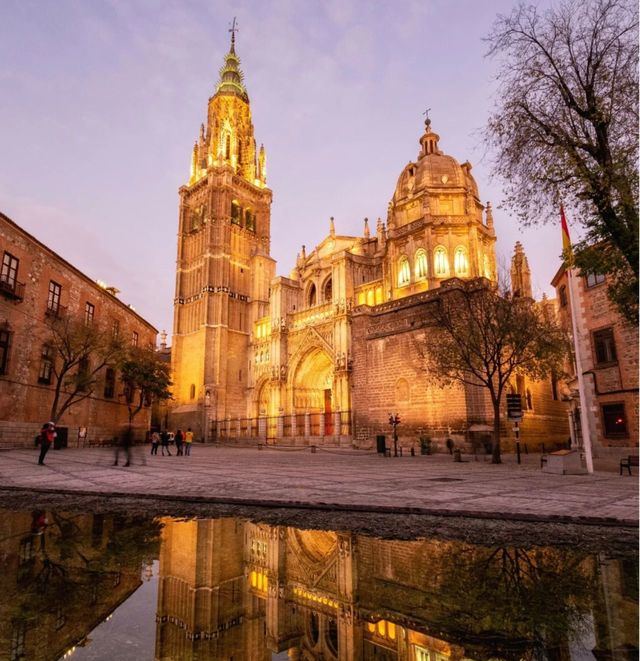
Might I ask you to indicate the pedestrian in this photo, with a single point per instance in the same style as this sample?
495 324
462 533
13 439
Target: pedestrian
179 437
164 442
188 440
47 437
155 439
124 443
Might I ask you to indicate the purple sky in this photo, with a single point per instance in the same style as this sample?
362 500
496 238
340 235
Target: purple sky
100 103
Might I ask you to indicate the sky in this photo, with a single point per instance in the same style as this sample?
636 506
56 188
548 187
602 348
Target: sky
101 101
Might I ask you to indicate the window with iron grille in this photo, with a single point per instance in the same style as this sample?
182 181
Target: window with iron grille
604 346
9 271
53 299
89 312
109 383
46 365
83 374
562 292
115 329
615 420
134 339
5 346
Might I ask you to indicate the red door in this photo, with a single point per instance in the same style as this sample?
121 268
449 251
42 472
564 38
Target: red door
328 418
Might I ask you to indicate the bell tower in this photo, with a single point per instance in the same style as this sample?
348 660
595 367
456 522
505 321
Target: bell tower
223 265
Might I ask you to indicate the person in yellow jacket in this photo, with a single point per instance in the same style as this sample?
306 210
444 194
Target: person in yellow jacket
188 440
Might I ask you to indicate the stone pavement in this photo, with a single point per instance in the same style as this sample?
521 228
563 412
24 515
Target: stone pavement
335 479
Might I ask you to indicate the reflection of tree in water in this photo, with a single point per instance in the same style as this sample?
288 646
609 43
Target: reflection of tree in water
513 603
74 558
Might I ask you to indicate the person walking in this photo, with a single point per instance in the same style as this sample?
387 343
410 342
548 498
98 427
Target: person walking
47 436
124 444
155 440
179 438
188 440
164 441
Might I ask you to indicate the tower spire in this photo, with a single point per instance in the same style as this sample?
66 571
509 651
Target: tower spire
231 76
233 29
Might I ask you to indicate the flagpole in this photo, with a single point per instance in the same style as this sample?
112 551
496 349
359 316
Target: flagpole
577 335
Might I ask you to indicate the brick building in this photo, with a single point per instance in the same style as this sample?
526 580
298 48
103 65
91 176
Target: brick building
37 286
609 354
323 353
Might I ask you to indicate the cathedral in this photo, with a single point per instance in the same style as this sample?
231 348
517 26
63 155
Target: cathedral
321 357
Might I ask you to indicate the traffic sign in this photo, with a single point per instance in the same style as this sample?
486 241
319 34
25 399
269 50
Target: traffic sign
514 407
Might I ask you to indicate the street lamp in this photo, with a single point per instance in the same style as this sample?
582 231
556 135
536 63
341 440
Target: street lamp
394 421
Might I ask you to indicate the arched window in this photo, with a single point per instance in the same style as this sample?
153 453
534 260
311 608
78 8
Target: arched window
402 390
192 391
461 261
311 295
440 262
328 290
370 298
404 272
227 146
420 266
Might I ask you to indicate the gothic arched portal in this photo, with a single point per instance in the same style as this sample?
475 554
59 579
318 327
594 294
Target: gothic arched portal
313 383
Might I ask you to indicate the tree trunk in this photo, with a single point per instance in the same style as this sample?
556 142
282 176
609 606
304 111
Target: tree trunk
495 454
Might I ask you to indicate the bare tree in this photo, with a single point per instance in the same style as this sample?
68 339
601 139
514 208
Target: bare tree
565 126
483 337
79 354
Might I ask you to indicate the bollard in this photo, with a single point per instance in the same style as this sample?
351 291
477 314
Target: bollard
413 451
313 449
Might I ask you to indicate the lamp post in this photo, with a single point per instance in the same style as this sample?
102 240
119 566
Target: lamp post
207 403
394 421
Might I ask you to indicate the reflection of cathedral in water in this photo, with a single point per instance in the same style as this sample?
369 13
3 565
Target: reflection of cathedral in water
237 590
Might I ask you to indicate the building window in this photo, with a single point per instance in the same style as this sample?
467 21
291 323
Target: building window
83 374
89 312
311 297
461 261
593 279
109 383
529 399
192 391
328 290
115 329
562 293
404 272
53 299
249 220
46 365
5 346
26 551
420 267
236 213
604 346
60 618
9 271
18 635
615 420
554 387
134 339
440 262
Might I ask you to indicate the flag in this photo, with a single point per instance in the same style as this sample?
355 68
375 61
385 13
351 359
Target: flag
566 239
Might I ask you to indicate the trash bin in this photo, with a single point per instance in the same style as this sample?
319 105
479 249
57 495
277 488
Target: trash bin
381 443
457 455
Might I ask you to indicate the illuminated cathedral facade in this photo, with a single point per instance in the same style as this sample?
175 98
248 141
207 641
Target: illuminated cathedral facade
323 355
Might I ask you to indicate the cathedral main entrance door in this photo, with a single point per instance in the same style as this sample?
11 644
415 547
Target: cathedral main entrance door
328 418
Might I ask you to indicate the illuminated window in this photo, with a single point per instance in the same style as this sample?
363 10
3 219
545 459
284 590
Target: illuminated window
404 272
378 295
361 298
89 313
615 420
488 271
420 267
440 262
370 297
461 261
328 290
134 339
236 213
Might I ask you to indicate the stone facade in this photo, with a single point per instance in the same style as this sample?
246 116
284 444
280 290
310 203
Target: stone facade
243 590
609 353
297 357
26 308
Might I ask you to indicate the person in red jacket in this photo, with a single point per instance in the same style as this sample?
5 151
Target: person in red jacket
47 436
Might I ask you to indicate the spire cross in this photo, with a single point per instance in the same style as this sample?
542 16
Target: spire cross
426 113
233 29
